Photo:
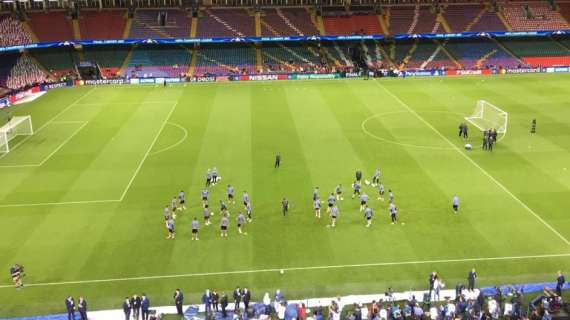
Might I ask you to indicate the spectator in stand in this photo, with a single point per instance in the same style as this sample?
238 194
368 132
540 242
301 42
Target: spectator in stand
145 306
82 308
560 280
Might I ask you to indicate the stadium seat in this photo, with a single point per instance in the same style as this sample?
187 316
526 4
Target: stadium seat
226 23
146 24
341 24
12 32
458 17
100 25
158 61
51 26
488 22
224 60
287 22
535 17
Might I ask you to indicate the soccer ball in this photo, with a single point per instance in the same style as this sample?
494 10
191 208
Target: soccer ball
281 271
367 182
468 146
218 179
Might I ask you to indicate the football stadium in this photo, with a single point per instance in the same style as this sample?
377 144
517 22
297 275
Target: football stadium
284 159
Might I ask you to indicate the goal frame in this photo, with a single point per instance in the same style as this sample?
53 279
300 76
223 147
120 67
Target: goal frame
9 131
480 113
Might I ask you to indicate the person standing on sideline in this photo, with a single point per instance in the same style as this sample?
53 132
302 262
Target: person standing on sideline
431 280
178 301
285 206
215 301
471 277
237 298
82 308
560 280
277 160
461 129
70 306
145 306
136 307
533 126
127 308
246 297
455 204
224 303
207 301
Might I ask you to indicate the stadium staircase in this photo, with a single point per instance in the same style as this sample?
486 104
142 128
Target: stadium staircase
382 53
505 22
221 60
475 20
507 50
441 19
193 61
258 24
76 29
194 27
409 55
288 22
401 19
480 63
31 32
459 18
127 28
452 58
321 25
383 24
122 71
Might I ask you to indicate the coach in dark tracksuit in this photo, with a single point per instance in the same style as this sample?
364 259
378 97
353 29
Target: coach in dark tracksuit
237 297
70 306
560 283
127 308
471 279
246 297
178 301
224 303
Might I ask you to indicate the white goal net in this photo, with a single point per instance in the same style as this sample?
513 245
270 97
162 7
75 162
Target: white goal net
488 116
17 126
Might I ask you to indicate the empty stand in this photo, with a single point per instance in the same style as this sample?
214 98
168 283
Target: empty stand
58 62
12 32
426 21
147 24
401 19
352 24
474 54
458 17
100 25
159 61
51 26
489 22
225 60
109 58
226 23
534 17
287 22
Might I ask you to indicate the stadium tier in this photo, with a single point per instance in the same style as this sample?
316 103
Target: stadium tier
58 62
474 54
167 23
226 23
51 26
109 58
100 25
6 64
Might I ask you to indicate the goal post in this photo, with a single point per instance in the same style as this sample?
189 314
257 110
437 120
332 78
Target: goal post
17 126
488 116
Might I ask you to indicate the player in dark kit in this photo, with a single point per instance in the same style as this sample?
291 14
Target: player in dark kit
533 126
285 206
277 160
17 274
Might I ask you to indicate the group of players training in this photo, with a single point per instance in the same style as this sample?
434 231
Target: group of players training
179 204
212 178
489 136
357 192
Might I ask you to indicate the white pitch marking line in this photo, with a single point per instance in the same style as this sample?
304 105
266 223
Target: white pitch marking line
345 266
500 185
148 152
53 152
177 143
16 205
64 142
50 120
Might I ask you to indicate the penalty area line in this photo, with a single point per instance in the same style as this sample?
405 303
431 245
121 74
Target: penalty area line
345 266
39 204
475 164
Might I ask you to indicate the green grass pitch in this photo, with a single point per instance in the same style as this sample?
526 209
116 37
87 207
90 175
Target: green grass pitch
104 161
